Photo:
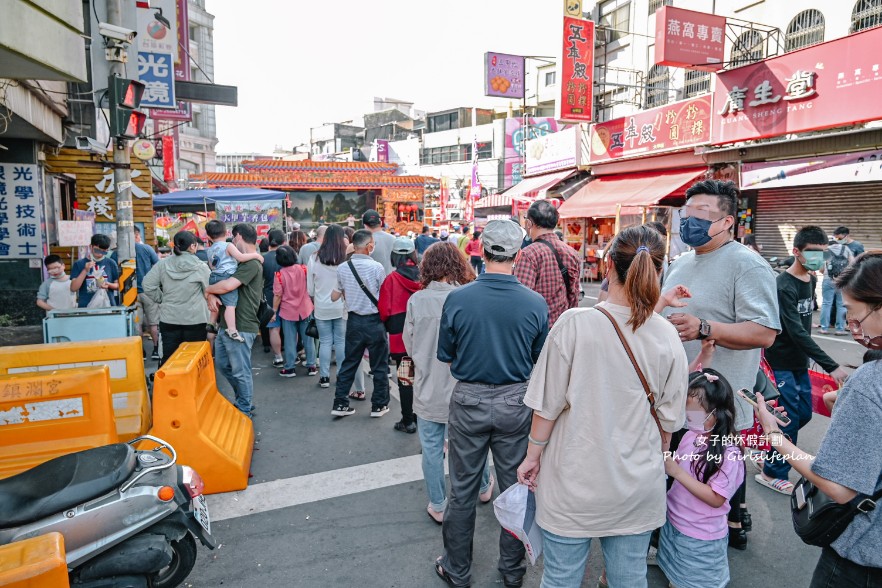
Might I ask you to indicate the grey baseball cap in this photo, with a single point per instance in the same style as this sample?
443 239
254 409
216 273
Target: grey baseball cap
402 245
502 237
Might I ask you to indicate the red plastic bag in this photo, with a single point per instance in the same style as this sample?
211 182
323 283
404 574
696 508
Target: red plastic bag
753 437
821 384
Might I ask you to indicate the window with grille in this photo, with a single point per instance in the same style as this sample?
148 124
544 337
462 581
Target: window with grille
697 83
806 28
656 4
747 49
658 83
866 14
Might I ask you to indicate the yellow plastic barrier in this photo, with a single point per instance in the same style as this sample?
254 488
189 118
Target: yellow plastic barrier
38 562
47 414
131 405
208 432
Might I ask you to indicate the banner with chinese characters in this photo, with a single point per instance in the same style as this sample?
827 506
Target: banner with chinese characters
657 130
183 111
156 71
516 137
153 35
553 151
443 199
21 211
685 38
263 214
827 85
504 75
575 71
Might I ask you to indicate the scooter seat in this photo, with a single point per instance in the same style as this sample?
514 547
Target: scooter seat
64 482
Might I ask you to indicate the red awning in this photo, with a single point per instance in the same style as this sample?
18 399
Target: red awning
529 188
600 197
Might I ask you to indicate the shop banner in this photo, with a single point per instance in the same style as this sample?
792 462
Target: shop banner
575 71
168 158
156 71
657 130
554 151
263 214
504 75
382 151
862 166
516 136
153 36
685 38
827 85
183 111
443 199
21 211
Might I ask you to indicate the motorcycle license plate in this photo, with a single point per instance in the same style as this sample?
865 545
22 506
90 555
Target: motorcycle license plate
200 511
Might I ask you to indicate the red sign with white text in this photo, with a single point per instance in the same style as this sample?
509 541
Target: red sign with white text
657 130
827 85
575 72
685 38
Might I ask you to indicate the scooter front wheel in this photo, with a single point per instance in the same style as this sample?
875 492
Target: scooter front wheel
183 560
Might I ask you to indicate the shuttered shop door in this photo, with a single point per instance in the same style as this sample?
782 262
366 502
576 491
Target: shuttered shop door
783 211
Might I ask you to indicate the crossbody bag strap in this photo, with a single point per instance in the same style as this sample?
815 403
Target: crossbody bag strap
565 274
361 285
649 395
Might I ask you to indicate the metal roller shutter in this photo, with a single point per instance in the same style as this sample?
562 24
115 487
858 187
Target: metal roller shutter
783 211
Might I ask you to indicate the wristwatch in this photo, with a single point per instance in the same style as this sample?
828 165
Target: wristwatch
704 329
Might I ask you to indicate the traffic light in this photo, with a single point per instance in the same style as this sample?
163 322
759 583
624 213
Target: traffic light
126 121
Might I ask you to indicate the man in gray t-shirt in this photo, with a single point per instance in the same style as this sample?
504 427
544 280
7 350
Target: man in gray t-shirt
734 299
382 241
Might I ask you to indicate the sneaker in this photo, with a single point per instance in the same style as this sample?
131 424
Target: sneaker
823 331
287 373
278 362
652 557
403 427
379 411
341 410
266 348
311 371
235 336
842 333
155 355
325 382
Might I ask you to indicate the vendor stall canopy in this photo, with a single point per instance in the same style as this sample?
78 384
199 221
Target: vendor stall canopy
212 195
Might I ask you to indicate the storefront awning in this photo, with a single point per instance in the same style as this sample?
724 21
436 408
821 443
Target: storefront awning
534 188
211 195
600 197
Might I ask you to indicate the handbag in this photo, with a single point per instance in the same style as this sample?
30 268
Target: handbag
818 519
312 328
649 395
264 314
406 371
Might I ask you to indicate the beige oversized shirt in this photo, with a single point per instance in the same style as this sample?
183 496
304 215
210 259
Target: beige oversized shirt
602 473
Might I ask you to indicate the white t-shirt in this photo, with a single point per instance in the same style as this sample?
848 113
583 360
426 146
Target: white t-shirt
320 281
602 473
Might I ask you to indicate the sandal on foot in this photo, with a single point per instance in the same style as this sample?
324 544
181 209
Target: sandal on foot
778 485
442 573
436 516
356 395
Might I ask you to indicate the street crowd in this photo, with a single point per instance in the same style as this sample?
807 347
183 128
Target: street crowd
627 420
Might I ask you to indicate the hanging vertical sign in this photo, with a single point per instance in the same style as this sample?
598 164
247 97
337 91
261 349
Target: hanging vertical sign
168 158
21 211
575 71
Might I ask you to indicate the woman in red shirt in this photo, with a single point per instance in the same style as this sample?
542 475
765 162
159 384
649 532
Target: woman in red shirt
291 303
475 252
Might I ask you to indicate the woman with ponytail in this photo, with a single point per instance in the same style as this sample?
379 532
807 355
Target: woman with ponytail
595 456
177 283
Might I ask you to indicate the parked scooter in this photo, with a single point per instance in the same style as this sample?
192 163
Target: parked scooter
129 517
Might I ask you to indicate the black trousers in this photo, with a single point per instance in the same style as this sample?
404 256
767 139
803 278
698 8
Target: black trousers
405 392
833 570
364 332
171 337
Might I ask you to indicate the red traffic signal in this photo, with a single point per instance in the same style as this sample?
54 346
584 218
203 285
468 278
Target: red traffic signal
124 97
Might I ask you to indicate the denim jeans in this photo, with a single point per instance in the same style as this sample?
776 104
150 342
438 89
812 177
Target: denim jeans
233 360
483 417
829 293
833 570
332 336
292 330
624 557
432 436
364 332
796 399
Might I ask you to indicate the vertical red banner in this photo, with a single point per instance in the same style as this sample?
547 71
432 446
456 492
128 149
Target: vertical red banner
168 158
575 68
443 199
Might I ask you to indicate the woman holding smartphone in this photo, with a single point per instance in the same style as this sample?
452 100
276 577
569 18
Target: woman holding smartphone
849 460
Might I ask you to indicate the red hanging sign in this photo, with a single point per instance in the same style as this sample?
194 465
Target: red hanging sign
168 158
575 71
685 38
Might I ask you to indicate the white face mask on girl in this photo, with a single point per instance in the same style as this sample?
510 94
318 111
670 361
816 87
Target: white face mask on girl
696 419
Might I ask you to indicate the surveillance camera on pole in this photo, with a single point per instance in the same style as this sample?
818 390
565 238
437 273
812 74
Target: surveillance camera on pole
91 146
116 39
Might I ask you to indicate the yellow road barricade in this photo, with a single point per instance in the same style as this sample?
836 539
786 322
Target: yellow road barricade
131 405
47 414
38 562
208 432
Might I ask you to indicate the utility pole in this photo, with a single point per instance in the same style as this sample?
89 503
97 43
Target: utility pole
122 172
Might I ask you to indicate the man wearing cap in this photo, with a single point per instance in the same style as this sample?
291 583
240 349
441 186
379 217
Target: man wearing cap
382 240
491 334
394 294
359 281
548 265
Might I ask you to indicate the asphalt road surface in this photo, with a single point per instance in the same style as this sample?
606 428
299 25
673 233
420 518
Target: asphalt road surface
341 502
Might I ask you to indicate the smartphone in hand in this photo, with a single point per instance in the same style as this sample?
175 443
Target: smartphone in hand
749 396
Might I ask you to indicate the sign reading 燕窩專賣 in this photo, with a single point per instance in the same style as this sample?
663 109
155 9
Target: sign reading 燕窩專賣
827 85
575 72
21 209
685 38
503 75
657 130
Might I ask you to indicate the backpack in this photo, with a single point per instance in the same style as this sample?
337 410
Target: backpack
837 263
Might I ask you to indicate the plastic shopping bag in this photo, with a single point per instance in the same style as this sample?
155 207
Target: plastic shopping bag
99 299
516 511
821 384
